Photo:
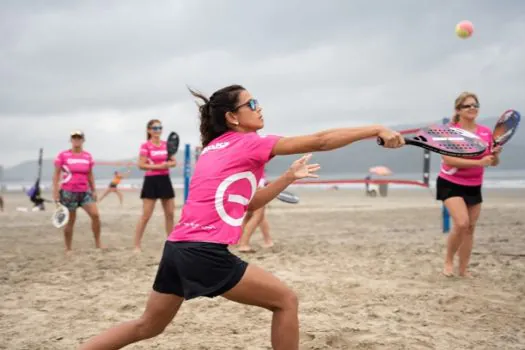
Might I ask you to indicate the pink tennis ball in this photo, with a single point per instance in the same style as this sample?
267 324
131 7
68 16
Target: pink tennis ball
464 29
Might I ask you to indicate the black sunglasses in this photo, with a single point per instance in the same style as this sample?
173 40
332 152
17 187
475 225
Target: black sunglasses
156 128
252 103
472 105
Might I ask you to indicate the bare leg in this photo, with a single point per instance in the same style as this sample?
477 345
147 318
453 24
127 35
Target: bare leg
68 231
249 228
261 288
92 210
169 214
265 229
160 311
459 213
106 192
148 206
465 250
120 197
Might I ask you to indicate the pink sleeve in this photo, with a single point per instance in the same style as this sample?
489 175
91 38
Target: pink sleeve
59 160
260 147
144 150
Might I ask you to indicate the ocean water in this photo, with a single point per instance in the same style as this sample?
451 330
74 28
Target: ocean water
493 179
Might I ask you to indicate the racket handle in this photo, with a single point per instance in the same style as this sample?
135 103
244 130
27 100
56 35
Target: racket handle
380 141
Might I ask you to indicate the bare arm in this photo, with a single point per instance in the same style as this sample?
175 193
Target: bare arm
56 180
328 140
265 195
144 165
461 162
91 181
299 169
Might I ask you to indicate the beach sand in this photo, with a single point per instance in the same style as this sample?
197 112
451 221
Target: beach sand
366 270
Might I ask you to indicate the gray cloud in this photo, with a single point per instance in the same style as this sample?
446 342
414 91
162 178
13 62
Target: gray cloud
108 67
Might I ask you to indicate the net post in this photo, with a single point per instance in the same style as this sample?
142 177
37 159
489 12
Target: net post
187 170
445 215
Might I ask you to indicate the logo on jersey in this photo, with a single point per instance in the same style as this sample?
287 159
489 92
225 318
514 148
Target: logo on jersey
66 176
217 146
159 153
220 196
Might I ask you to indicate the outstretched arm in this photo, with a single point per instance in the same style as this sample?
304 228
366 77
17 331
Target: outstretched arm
335 138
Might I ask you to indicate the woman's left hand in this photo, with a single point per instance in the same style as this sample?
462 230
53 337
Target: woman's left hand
300 169
497 150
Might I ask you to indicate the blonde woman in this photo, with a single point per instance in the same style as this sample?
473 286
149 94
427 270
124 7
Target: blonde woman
459 184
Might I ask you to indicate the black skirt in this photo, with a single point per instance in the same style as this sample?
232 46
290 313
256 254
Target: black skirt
446 189
157 187
195 269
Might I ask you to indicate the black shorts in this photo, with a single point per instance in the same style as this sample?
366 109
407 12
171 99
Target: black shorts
446 189
196 269
157 187
113 185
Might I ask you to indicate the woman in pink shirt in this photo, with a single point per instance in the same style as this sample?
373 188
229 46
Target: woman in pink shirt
77 188
196 261
157 183
459 185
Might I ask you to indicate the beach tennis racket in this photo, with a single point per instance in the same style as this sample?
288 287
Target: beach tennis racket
288 197
505 127
446 140
60 216
172 144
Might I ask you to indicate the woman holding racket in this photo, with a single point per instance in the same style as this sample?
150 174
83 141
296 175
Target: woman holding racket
77 189
157 182
196 261
459 185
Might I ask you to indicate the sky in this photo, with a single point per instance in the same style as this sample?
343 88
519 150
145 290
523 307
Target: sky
107 67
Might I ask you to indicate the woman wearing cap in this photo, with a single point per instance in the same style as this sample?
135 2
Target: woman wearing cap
157 182
77 188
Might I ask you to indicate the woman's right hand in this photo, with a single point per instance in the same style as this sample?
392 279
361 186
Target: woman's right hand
391 138
56 196
486 161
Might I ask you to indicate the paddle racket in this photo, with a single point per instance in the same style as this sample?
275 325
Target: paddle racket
60 216
288 197
172 144
505 127
446 140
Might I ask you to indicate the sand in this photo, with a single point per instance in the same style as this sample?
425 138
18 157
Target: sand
367 272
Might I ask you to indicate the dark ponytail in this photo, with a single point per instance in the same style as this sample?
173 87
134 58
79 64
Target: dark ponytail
149 125
213 111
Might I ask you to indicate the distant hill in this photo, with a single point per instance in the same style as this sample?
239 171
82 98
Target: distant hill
356 158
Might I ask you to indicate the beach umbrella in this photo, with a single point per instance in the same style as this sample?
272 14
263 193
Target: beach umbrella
380 170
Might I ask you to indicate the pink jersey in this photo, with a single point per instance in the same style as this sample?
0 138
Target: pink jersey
155 155
75 170
469 176
225 180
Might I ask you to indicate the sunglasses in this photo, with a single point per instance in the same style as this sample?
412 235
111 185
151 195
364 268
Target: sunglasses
156 128
472 105
252 103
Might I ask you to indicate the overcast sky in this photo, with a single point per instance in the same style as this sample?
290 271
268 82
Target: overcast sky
107 67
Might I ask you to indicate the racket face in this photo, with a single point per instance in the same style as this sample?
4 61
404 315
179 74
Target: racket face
450 141
505 127
172 144
60 217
